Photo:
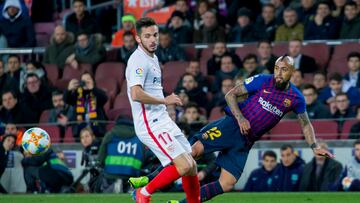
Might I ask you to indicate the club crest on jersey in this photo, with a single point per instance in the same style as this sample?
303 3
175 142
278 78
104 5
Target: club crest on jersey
139 72
287 102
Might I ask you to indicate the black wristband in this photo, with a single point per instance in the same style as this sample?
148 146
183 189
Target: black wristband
313 145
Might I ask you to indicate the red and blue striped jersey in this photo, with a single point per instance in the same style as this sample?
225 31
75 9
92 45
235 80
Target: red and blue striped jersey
266 104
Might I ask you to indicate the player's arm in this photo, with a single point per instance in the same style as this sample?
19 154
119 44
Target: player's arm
138 94
309 134
231 100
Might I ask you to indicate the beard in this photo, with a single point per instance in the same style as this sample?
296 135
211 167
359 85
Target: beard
148 49
281 85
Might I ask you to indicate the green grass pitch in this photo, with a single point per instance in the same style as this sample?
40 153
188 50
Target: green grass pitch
234 197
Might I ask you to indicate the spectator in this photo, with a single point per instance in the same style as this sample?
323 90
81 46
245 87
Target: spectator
319 81
290 170
194 69
315 109
304 63
128 25
321 173
12 129
6 81
202 7
307 9
279 8
192 89
124 53
193 118
341 109
14 69
88 102
322 25
353 63
219 98
291 29
15 112
61 113
16 26
265 56
213 64
251 67
36 97
211 31
88 49
244 31
49 169
266 23
355 129
265 178
297 79
337 85
35 68
227 69
338 8
351 24
7 144
352 169
180 33
183 7
80 21
61 46
168 49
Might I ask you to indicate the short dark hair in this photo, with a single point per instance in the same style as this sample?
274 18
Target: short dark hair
350 3
81 1
165 32
357 142
250 56
324 2
290 9
9 135
309 86
14 56
301 73
192 105
12 92
269 5
336 76
188 74
269 153
341 94
353 54
57 92
144 23
29 75
286 146
320 73
227 55
263 41
128 33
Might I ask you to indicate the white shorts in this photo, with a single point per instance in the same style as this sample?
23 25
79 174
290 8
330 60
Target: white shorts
166 141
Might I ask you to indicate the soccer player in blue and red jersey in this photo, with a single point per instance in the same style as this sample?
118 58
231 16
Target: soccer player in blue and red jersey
269 98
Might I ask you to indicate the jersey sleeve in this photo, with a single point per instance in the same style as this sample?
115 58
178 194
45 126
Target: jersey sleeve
300 106
254 83
137 74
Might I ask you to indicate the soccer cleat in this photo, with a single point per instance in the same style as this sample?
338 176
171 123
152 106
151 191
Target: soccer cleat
138 182
140 198
173 201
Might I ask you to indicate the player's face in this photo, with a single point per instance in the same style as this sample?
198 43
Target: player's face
149 38
357 151
282 74
287 157
269 163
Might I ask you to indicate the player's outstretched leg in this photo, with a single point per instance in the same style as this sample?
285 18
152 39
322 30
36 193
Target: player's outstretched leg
191 186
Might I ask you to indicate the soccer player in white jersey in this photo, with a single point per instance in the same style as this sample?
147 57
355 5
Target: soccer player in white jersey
153 124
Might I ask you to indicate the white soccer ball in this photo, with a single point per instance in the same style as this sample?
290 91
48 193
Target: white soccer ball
35 141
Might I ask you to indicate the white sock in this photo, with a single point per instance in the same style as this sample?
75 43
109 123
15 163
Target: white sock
144 191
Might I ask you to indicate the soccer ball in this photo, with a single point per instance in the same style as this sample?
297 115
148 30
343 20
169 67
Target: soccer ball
35 141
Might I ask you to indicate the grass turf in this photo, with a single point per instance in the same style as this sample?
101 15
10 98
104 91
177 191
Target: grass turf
163 197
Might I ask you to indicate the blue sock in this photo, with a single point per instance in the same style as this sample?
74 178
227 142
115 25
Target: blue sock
208 191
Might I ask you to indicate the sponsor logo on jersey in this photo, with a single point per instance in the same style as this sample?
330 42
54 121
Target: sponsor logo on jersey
139 72
269 107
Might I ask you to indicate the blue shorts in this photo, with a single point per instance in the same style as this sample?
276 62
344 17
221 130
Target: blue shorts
224 135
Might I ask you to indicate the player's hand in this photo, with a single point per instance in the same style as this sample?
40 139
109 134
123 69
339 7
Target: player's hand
322 152
173 99
244 125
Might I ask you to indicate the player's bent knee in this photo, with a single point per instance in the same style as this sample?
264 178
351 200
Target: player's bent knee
227 185
184 165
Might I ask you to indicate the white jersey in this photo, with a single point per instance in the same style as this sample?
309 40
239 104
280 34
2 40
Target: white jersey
145 71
